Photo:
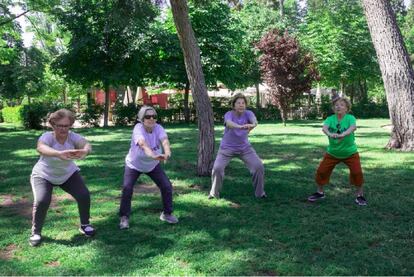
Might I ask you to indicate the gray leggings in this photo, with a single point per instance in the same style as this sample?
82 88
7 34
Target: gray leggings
42 192
250 159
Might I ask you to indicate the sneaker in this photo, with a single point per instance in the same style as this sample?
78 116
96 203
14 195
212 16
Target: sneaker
316 196
87 230
361 201
124 223
168 218
35 240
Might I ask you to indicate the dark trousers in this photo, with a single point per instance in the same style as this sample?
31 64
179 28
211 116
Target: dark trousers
158 176
42 192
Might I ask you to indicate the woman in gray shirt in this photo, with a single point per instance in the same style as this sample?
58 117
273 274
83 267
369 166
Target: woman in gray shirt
55 167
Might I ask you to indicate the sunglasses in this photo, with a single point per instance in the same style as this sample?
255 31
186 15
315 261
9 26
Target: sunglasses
149 116
338 128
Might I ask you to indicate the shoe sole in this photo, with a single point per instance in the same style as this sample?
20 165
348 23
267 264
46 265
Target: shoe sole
361 204
162 219
123 228
34 243
85 234
314 200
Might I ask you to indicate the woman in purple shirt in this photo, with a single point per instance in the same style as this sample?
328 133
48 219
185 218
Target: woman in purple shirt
238 124
56 168
144 156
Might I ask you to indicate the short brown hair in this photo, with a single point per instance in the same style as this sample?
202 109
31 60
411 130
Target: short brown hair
59 114
343 99
238 96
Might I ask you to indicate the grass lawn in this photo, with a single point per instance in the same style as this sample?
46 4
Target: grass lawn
236 235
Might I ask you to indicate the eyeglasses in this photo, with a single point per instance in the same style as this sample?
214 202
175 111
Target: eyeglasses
149 116
338 128
61 126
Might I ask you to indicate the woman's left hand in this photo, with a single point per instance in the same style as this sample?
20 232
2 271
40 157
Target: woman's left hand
79 154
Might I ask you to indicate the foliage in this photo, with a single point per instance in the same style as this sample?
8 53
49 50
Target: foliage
286 68
106 40
408 29
337 35
256 19
217 32
12 114
124 114
91 115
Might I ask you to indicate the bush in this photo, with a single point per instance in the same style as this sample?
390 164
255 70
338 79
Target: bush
34 115
1 116
91 115
125 115
268 113
12 114
371 110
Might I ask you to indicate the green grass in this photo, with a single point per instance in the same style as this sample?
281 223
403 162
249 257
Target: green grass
236 235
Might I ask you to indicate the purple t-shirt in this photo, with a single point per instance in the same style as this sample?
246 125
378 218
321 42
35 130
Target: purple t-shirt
236 139
136 158
53 169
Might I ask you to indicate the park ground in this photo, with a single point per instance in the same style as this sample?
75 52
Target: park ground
236 235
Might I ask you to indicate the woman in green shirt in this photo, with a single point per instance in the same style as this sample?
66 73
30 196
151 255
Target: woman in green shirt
340 128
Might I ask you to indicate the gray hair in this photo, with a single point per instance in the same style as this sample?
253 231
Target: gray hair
143 111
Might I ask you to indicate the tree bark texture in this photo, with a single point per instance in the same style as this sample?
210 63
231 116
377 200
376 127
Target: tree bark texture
195 75
396 71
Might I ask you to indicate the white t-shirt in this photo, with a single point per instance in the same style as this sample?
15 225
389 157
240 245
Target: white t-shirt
53 169
136 158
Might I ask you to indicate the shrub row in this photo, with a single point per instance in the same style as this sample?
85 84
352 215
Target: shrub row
34 115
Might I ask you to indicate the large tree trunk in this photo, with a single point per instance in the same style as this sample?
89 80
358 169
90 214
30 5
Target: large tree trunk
396 71
195 75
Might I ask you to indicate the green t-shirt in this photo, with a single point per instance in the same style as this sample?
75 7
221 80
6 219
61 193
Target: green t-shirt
344 147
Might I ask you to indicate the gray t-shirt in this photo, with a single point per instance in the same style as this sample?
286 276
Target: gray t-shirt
136 158
53 169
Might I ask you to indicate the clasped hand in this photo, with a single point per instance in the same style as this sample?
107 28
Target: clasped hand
72 154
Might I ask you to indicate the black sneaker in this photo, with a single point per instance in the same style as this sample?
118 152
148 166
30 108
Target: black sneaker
316 196
35 240
87 230
361 201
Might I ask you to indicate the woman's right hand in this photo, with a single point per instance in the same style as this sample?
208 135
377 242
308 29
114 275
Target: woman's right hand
67 155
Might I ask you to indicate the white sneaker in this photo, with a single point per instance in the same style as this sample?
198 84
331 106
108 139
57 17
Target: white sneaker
124 223
35 240
168 218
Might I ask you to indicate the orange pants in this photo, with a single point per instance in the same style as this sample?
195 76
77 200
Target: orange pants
328 164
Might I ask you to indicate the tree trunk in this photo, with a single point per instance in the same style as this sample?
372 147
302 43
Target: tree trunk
186 107
89 100
281 8
107 103
65 95
195 75
258 105
397 73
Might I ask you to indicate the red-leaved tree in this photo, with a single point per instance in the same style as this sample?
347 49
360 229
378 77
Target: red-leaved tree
285 68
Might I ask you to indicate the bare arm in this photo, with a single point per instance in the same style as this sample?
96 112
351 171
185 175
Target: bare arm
348 131
325 130
148 151
46 150
233 125
166 145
